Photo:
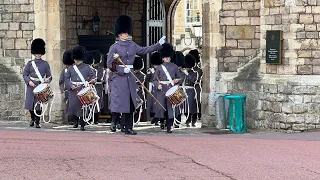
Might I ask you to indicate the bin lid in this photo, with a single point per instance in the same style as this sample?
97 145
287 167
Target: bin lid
236 96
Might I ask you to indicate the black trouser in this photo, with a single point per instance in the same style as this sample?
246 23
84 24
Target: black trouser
78 120
127 118
137 114
34 117
192 117
116 118
96 117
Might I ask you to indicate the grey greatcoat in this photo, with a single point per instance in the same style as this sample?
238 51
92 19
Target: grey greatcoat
198 86
124 85
151 108
29 74
140 91
63 87
100 73
188 85
75 106
161 76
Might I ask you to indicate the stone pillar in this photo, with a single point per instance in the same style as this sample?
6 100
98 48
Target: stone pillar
213 39
50 24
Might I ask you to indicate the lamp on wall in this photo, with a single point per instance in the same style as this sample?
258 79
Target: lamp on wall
198 34
96 23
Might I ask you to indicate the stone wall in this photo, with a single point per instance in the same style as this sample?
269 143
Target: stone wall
285 96
240 22
16 33
108 10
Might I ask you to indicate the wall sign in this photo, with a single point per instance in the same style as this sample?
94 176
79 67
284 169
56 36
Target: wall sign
274 47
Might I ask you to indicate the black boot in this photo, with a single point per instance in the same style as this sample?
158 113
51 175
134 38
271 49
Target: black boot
130 132
194 120
32 115
82 128
169 125
113 127
75 121
37 121
82 123
96 118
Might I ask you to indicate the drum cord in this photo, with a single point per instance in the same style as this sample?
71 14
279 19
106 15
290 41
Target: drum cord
91 112
45 109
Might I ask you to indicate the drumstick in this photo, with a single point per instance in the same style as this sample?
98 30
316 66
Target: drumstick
116 56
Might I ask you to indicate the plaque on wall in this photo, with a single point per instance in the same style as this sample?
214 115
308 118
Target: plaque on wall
274 47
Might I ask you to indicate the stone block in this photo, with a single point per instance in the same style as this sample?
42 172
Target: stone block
313 108
312 35
12 8
8 2
233 43
244 43
304 53
305 90
297 10
19 34
276 97
227 14
241 13
247 5
311 127
231 5
295 118
316 54
297 27
275 107
27 34
21 44
299 127
304 69
306 19
240 32
300 108
312 119
22 1
270 20
8 43
242 21
11 34
27 26
316 10
20 17
30 17
285 126
255 21
271 69
311 27
228 21
27 8
237 52
269 3
287 108
14 26
307 98
297 99
309 44
316 70
6 17
24 53
254 13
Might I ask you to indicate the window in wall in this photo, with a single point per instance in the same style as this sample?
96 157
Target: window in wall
192 12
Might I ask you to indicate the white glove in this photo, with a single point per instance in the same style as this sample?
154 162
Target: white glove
126 70
152 70
185 71
162 40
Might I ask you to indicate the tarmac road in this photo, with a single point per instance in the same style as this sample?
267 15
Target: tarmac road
40 154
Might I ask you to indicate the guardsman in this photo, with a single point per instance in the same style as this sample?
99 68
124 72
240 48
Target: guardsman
123 85
35 71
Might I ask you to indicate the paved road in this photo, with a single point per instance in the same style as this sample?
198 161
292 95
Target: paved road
68 154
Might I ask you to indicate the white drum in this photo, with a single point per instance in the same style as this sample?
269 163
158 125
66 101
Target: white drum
43 92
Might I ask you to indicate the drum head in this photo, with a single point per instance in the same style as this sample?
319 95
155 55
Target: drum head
40 88
172 90
83 91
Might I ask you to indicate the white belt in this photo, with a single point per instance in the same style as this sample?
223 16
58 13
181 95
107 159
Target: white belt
188 87
77 83
98 82
165 82
129 66
34 79
197 83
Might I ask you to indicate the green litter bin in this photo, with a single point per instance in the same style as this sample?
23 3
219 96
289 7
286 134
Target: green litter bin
237 112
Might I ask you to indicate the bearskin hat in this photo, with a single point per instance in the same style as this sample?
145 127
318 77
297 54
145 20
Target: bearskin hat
138 63
155 58
179 60
79 53
67 58
190 61
96 56
196 54
89 58
166 51
123 24
38 46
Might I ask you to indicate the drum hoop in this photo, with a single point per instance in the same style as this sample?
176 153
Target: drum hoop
169 89
48 86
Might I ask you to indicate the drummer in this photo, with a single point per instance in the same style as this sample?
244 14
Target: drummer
67 61
190 78
35 72
100 73
75 84
166 76
137 67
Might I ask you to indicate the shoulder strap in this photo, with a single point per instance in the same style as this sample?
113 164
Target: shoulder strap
37 71
167 74
79 74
